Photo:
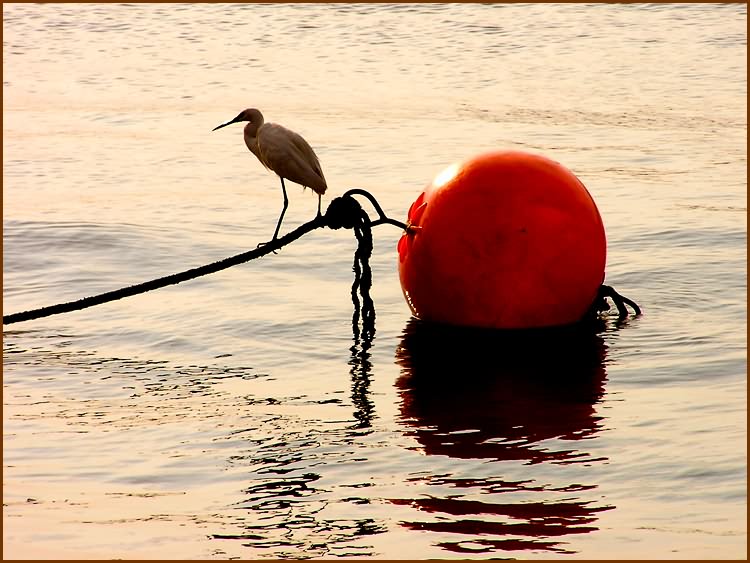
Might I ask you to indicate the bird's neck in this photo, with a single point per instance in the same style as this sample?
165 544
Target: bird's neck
251 137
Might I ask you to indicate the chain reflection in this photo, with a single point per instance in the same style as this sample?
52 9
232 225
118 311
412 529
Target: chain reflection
361 371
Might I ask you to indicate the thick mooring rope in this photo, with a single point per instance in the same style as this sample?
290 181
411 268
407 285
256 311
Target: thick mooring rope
166 280
342 212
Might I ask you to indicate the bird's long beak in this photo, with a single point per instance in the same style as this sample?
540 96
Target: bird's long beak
235 120
224 124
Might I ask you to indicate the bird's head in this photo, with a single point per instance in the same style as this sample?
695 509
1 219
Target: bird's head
250 114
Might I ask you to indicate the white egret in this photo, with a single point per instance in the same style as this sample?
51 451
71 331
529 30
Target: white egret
284 152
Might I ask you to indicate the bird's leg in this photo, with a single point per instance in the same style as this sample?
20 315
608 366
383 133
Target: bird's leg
320 197
281 217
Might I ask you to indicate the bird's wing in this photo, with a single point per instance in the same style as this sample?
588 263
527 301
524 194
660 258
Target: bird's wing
289 155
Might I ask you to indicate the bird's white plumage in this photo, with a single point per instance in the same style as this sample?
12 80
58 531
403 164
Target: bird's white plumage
286 153
283 151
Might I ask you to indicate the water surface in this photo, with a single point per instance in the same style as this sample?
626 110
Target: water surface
237 415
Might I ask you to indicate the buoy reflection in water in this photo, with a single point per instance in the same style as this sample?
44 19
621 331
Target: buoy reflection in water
524 402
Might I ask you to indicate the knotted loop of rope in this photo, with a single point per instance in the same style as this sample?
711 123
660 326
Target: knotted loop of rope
343 213
346 212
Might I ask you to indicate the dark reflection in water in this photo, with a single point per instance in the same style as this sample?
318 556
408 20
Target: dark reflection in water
276 458
506 396
284 516
283 510
361 368
510 411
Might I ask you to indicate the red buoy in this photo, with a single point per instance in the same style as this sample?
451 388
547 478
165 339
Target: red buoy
506 239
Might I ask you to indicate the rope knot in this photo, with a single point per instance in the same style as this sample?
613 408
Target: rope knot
346 212
343 212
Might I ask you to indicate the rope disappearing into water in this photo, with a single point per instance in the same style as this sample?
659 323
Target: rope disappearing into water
348 214
342 212
600 303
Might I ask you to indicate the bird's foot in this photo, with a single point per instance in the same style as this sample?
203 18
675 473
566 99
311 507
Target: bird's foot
265 243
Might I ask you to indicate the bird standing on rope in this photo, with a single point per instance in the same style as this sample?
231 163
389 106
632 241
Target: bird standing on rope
283 151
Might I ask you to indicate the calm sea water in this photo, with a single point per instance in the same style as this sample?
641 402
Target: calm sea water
236 415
